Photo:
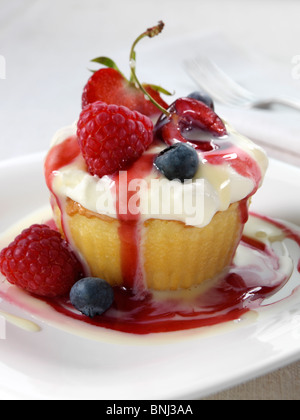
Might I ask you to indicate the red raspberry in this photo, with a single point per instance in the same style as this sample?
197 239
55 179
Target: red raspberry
39 261
111 137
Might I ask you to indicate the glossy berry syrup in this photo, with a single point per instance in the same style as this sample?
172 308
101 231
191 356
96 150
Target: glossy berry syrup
255 274
129 233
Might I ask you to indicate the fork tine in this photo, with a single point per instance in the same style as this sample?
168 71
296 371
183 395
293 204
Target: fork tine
201 80
217 83
206 81
223 78
229 90
216 86
221 87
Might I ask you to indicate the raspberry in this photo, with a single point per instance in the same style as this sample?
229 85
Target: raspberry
40 261
111 137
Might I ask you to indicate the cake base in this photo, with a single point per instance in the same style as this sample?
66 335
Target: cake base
171 255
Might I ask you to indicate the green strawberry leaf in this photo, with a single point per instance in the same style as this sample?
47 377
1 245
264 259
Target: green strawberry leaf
161 89
107 62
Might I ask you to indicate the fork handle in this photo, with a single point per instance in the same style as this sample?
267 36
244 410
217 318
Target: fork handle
286 101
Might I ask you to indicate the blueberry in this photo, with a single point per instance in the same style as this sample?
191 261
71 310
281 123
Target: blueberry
179 161
202 97
92 296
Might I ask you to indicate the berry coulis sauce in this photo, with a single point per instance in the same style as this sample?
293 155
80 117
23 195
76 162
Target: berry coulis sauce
243 287
225 301
255 275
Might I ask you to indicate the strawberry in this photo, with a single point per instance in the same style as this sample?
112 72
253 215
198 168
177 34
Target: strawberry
112 87
184 115
111 137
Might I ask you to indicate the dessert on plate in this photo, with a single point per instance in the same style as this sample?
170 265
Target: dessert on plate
114 157
146 196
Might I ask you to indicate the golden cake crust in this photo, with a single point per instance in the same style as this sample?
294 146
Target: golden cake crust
172 255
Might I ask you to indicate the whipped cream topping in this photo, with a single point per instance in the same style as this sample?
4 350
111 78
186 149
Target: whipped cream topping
230 173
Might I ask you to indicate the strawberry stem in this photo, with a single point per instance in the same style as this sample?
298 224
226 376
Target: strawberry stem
150 32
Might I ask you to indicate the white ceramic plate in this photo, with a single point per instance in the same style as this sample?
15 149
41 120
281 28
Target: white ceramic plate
53 364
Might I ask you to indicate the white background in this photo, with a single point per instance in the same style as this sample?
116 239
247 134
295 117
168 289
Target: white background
47 46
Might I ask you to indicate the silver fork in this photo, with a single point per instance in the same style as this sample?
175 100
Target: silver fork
209 77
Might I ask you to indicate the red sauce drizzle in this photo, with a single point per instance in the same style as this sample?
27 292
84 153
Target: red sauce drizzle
238 159
225 301
231 297
289 233
127 205
60 155
140 313
66 152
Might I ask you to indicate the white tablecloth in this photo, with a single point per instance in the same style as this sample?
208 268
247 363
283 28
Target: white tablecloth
45 48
